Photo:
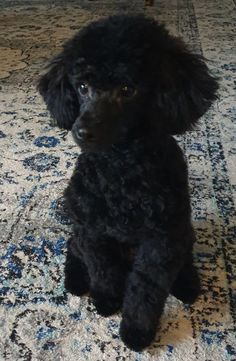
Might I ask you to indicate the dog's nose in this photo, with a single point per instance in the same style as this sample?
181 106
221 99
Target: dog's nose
85 134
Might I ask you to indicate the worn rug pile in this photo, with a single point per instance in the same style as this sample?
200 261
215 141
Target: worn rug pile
38 320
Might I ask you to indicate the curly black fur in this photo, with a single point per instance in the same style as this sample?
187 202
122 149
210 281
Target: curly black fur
125 86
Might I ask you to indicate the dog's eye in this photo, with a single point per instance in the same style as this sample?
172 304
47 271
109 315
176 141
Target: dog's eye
127 91
83 89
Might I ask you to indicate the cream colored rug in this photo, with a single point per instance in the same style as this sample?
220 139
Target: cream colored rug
38 320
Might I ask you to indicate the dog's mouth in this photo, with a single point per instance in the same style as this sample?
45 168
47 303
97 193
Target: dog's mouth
89 142
84 145
90 145
102 139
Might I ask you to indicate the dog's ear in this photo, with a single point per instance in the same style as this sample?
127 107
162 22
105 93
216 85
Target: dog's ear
185 89
58 93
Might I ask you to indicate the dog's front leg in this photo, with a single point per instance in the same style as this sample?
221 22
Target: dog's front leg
148 285
107 274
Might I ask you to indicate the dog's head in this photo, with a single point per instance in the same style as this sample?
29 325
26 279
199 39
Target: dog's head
124 77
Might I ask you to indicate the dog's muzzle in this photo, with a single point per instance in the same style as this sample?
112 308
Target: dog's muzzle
85 135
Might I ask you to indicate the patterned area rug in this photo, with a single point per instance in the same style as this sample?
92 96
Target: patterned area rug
38 320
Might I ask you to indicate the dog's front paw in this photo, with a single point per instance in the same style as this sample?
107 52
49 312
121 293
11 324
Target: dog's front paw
106 304
136 337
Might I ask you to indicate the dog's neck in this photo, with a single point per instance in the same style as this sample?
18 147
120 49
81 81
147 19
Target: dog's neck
135 149
144 144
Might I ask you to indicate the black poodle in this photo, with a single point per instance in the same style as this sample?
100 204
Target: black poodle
124 87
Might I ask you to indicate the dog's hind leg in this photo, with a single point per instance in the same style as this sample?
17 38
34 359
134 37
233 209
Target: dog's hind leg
187 285
76 275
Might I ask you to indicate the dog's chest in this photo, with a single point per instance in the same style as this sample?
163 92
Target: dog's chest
126 193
